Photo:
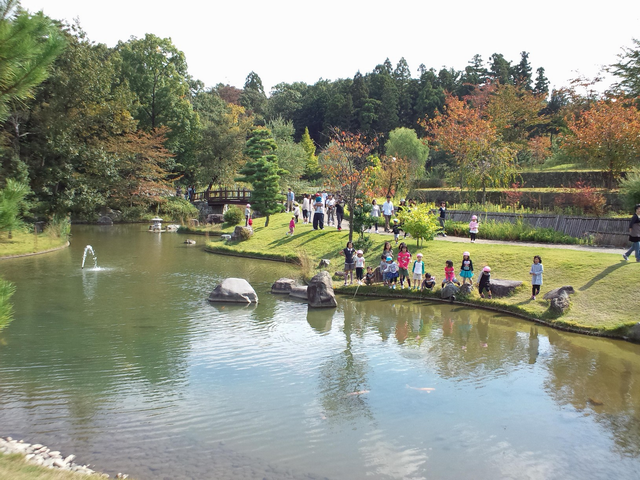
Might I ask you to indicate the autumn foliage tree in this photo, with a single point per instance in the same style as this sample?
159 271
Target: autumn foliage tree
143 164
606 136
347 166
481 158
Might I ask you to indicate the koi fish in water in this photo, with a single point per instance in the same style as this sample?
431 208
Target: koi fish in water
361 392
422 389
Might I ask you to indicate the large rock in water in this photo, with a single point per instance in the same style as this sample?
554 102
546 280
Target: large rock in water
234 290
634 333
282 285
504 288
105 220
299 292
320 291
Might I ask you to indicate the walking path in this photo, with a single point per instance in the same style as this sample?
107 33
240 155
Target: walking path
561 246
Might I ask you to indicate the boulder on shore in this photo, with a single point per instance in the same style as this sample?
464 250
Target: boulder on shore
215 218
557 292
242 233
325 262
320 291
282 285
559 299
504 288
105 220
634 333
465 289
234 290
449 291
299 292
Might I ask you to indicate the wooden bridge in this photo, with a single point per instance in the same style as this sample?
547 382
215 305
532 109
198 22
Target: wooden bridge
239 196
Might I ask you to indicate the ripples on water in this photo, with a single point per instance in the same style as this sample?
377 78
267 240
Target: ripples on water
131 369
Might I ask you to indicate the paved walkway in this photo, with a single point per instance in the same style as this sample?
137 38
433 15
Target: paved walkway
561 246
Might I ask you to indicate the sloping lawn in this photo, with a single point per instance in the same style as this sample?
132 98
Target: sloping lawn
606 287
23 243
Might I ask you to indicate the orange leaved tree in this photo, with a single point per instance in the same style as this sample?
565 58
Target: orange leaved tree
347 167
481 158
606 136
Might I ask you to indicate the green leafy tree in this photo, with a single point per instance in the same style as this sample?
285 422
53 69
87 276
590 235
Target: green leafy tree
253 97
29 44
312 168
11 197
291 155
156 72
628 70
420 222
404 143
263 173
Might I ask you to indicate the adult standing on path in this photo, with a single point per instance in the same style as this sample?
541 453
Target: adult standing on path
634 235
375 213
443 214
339 212
387 211
318 216
305 208
290 198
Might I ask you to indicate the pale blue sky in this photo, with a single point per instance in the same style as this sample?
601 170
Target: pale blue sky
288 41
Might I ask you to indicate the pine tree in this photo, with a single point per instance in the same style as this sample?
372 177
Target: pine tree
542 83
263 173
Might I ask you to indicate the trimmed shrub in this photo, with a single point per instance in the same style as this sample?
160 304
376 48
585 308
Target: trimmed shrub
179 209
233 216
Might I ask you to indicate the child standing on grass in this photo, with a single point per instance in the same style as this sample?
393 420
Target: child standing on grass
485 282
404 257
449 273
391 272
536 276
473 228
292 225
383 266
466 269
359 266
349 262
418 271
387 250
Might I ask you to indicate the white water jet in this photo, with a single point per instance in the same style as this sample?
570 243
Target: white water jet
89 249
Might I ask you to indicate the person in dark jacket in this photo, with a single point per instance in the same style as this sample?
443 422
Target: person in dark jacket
484 283
339 213
634 235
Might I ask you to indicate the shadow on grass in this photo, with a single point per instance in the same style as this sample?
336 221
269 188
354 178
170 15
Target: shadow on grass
288 238
601 275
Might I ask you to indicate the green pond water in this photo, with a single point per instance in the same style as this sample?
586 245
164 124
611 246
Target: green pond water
131 369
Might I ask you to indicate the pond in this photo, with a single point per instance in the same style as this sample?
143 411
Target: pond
131 369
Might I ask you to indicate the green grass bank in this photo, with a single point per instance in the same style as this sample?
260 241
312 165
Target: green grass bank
15 467
23 243
606 287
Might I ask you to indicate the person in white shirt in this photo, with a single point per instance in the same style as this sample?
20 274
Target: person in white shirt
387 211
305 208
330 207
375 213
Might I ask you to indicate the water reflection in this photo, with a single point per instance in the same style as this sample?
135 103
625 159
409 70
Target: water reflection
132 368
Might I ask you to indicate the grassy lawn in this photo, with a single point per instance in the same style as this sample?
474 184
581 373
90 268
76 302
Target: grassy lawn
23 243
14 467
606 287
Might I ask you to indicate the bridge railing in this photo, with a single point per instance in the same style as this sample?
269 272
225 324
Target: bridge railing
225 195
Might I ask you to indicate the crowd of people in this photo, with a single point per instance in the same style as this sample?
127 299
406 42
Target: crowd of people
403 269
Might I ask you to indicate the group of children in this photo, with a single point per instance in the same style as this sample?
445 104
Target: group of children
408 271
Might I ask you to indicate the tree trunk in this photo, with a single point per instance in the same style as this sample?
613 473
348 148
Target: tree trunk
351 208
266 222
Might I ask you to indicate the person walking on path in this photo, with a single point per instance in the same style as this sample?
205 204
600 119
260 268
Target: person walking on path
387 211
443 213
375 213
339 213
318 216
473 228
305 208
290 198
536 276
634 235
330 205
